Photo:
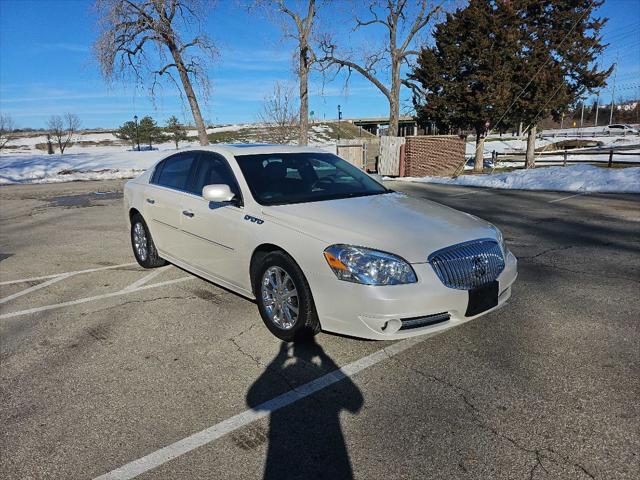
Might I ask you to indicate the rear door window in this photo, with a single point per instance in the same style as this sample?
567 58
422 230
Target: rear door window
175 171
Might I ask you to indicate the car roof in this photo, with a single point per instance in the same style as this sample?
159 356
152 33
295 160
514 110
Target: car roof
253 148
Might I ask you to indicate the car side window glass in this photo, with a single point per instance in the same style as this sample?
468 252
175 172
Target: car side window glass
213 169
156 172
175 171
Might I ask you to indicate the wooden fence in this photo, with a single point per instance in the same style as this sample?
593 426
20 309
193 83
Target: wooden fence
564 155
389 161
353 151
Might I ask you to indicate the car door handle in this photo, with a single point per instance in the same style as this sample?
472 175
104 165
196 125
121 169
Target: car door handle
151 201
187 213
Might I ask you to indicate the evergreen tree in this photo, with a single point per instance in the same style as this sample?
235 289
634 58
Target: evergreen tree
150 132
462 76
127 131
499 63
557 46
176 130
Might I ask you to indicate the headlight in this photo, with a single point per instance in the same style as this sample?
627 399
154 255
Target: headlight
369 267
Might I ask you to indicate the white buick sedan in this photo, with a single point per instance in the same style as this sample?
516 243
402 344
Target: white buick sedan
318 243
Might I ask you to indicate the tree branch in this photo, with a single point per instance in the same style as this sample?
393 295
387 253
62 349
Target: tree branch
420 22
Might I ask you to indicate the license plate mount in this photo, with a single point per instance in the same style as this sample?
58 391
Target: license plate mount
482 299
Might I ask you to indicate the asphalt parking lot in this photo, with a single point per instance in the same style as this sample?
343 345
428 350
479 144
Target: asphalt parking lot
107 368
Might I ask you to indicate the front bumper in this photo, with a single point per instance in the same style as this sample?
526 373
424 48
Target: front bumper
377 312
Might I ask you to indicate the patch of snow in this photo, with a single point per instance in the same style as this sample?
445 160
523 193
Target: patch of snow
574 178
90 164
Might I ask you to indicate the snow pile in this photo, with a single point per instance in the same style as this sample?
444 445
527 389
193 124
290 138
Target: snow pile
88 164
575 178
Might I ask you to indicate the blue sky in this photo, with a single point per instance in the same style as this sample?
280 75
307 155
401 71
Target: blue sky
46 66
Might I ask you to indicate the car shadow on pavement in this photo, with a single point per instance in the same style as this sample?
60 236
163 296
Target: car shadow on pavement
305 439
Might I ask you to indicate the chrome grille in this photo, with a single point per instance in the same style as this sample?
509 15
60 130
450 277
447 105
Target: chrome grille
468 265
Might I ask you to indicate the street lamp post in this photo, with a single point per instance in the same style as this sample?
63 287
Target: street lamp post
135 119
339 118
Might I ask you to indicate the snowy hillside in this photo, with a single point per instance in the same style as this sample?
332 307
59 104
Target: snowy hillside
102 155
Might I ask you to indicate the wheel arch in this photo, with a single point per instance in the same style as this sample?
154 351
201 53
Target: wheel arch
133 211
258 254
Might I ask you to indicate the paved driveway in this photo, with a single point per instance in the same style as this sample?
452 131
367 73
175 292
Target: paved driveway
107 368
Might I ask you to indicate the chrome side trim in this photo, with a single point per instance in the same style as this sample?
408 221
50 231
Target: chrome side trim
165 224
207 240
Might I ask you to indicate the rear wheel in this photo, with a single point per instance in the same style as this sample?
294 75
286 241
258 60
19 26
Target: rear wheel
143 247
284 298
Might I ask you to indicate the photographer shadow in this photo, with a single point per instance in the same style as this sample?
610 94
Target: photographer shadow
305 438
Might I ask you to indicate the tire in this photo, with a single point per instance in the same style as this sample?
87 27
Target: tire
142 244
277 306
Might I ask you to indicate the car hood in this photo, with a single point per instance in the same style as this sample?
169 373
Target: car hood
393 222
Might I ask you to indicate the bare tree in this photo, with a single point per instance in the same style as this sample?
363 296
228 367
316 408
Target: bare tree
62 129
305 57
280 114
145 38
7 130
403 20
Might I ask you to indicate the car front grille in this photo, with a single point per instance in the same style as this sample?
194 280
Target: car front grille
468 265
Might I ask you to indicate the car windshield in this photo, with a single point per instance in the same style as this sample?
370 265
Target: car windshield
282 178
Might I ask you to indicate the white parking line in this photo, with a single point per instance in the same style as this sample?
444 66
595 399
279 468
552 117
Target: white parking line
90 299
567 197
165 454
146 278
35 287
44 277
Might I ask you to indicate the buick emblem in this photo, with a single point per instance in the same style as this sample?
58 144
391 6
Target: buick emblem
480 266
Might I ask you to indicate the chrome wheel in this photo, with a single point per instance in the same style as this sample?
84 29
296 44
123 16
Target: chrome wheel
140 241
280 297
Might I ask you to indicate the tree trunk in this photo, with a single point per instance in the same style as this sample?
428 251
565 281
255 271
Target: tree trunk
531 148
478 164
394 100
191 96
304 99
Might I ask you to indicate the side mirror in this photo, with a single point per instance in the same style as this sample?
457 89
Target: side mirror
217 193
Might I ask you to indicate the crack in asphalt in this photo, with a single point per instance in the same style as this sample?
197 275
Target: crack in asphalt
239 348
258 363
544 252
582 272
128 302
539 453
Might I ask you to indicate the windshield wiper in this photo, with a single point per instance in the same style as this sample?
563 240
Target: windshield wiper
336 196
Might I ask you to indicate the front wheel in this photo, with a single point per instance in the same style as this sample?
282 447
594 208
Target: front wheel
143 247
284 299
